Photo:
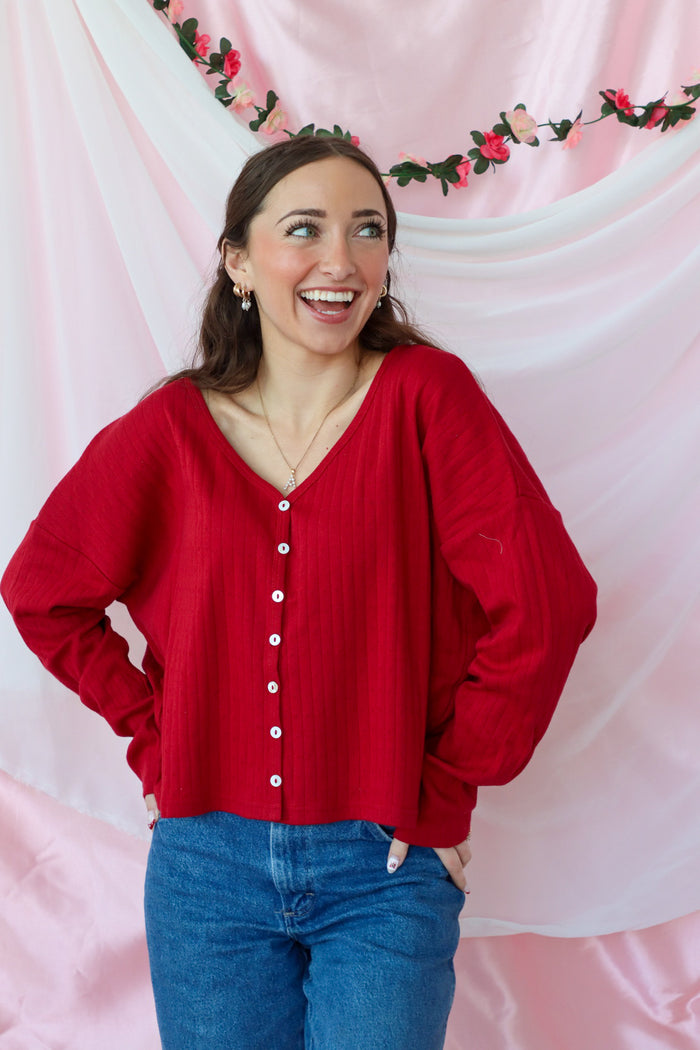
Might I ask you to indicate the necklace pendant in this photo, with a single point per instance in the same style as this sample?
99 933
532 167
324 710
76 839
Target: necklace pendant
291 484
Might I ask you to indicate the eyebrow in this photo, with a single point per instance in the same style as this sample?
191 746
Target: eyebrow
318 213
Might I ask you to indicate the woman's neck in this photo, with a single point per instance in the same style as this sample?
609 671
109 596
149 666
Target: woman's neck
299 391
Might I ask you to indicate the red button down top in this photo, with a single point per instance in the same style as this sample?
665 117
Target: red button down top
394 632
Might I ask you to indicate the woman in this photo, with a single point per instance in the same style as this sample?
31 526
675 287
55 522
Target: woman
359 605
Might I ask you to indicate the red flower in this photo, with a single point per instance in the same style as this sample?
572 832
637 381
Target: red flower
232 64
463 170
494 148
201 43
657 115
620 100
354 139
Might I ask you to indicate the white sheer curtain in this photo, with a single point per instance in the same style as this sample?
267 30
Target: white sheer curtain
580 317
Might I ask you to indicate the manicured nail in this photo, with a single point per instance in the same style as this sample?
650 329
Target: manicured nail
392 864
152 820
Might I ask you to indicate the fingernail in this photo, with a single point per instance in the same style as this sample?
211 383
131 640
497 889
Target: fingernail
392 864
152 821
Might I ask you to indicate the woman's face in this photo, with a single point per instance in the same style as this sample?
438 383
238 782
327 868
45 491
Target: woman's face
316 258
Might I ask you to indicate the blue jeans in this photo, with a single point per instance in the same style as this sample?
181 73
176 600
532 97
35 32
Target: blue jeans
266 936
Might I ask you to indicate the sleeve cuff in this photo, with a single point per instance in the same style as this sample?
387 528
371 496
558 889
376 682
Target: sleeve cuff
444 810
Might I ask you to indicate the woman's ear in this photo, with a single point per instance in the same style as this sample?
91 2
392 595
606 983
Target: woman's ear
234 261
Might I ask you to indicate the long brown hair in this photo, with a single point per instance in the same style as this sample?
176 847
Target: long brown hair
230 342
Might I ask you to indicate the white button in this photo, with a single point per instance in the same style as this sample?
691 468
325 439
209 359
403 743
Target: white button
283 504
276 732
278 596
275 639
275 780
283 548
272 687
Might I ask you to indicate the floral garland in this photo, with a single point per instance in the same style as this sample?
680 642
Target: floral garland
491 148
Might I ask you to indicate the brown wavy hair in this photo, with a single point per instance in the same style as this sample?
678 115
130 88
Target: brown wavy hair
230 342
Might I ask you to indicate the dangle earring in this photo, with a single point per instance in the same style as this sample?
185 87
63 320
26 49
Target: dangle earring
381 296
244 295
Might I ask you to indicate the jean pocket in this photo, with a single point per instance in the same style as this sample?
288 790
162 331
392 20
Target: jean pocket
380 832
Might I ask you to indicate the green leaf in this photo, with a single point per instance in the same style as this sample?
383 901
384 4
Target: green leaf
481 166
270 101
521 105
216 60
188 48
502 115
160 5
225 45
478 138
627 118
222 90
503 129
337 131
308 129
444 187
535 142
474 154
189 29
606 109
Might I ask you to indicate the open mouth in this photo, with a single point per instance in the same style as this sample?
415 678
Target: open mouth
328 303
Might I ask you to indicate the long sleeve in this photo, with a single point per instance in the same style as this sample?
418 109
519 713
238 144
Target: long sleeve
505 544
91 545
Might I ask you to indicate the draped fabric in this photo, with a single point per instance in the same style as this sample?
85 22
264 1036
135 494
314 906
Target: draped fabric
568 280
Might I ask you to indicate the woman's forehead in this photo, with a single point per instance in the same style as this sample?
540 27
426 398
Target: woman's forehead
334 182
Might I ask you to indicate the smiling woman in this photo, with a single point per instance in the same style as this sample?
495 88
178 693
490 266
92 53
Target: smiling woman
359 605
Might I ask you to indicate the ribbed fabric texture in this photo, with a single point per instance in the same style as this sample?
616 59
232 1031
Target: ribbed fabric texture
392 634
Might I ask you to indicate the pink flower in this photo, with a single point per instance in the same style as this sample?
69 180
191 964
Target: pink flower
355 140
201 43
242 96
463 170
620 100
275 121
232 64
494 148
175 9
657 115
416 160
523 126
574 137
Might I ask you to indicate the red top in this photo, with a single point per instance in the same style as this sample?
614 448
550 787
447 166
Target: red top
395 631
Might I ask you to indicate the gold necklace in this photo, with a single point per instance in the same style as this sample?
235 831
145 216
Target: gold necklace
292 481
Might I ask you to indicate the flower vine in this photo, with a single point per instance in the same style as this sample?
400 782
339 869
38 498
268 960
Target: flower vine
491 147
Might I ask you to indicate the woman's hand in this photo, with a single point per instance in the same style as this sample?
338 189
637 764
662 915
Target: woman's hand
152 810
454 858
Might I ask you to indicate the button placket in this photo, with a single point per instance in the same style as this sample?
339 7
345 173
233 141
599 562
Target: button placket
271 685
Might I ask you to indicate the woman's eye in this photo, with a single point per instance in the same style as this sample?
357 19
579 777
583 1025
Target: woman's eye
303 230
372 230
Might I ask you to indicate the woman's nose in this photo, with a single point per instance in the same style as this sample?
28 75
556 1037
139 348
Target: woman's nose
337 261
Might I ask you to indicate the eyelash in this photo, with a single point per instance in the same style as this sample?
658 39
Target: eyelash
301 224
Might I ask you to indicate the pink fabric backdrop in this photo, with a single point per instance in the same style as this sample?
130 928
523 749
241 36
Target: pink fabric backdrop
117 173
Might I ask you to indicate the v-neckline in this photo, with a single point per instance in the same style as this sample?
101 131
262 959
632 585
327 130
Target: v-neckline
245 468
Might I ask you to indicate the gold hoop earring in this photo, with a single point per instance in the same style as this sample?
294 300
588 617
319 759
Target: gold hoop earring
383 292
244 295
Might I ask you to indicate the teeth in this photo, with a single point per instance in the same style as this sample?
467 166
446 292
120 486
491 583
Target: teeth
316 295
